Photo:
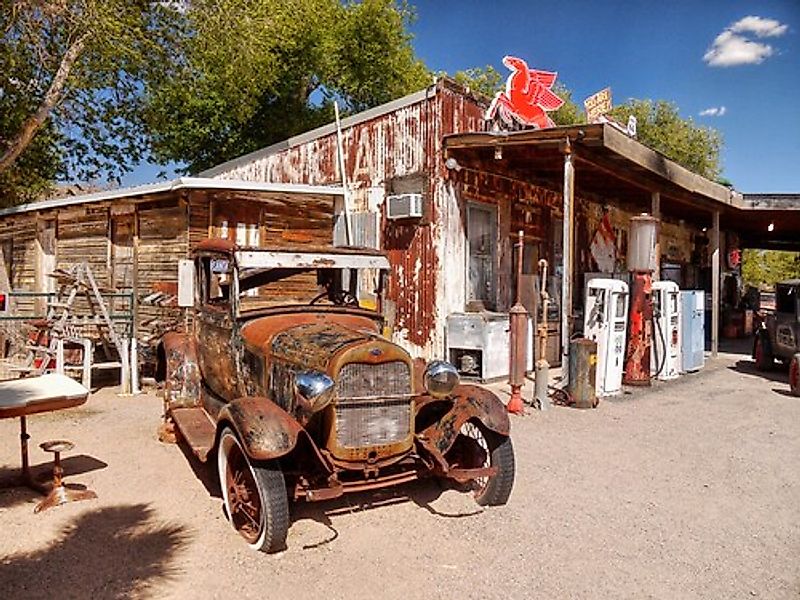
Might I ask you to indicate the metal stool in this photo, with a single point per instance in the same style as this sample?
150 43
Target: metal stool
60 494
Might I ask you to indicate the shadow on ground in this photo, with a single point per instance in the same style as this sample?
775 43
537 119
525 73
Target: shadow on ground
422 493
778 372
114 552
11 495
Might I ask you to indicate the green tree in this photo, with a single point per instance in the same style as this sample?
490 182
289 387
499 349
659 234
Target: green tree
256 72
764 268
660 126
71 74
487 81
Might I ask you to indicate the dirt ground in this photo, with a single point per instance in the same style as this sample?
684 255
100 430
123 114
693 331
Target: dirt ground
688 490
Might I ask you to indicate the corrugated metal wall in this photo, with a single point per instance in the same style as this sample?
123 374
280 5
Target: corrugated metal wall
392 152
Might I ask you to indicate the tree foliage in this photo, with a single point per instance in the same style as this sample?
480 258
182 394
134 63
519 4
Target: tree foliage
254 73
764 268
660 126
71 74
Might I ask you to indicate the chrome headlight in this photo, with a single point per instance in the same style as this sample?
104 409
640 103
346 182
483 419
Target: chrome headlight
315 388
440 378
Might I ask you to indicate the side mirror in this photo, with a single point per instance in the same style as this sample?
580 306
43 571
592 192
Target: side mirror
185 283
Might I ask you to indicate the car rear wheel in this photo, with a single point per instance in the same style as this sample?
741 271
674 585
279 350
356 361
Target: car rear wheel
763 354
254 495
794 375
495 450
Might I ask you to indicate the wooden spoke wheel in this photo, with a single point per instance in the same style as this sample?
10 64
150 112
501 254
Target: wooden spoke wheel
493 450
254 494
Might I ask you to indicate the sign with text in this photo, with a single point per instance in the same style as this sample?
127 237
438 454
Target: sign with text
597 105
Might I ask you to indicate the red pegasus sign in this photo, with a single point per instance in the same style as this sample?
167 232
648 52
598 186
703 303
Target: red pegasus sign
528 96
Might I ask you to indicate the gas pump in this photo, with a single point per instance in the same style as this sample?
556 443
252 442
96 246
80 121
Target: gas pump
641 263
605 321
665 361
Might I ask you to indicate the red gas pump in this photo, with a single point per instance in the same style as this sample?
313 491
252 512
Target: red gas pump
641 263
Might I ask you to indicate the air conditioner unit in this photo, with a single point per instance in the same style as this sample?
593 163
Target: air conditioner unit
404 206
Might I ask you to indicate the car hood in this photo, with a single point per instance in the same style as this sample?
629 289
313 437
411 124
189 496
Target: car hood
313 343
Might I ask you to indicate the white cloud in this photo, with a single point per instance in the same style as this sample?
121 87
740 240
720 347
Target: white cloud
760 26
733 46
713 111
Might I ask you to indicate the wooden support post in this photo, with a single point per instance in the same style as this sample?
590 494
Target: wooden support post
59 356
715 285
567 252
125 368
655 210
86 380
135 367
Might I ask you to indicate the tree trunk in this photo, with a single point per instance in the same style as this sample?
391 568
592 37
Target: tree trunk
53 96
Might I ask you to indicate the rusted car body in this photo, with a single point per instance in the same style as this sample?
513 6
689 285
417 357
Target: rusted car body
778 337
305 399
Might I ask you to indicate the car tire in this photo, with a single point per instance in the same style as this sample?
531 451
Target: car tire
763 354
254 495
794 375
500 454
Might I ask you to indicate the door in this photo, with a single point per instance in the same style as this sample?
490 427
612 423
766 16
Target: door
215 332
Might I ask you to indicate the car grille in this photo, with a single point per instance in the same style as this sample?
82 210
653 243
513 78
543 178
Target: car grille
374 404
372 422
362 380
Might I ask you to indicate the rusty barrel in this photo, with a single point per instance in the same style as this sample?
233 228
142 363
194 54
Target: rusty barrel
583 372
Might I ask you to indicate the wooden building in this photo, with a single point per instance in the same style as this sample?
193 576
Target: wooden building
481 187
133 238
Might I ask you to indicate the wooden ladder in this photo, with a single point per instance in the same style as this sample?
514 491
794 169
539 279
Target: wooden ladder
59 324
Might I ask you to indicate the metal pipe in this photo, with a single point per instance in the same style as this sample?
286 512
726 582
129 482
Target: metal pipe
542 376
715 285
345 192
567 251
518 333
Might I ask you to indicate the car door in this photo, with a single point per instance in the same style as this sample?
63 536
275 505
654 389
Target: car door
786 300
215 330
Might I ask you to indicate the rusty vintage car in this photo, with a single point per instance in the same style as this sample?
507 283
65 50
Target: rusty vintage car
778 337
287 382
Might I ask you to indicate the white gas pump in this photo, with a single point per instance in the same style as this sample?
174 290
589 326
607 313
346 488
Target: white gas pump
665 359
605 322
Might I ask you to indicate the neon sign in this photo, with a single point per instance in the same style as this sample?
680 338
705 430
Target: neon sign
528 96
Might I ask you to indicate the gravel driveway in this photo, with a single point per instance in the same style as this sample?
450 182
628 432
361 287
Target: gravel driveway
687 490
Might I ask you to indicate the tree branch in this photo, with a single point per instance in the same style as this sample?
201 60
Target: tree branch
53 96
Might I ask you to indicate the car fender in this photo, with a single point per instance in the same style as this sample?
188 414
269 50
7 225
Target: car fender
468 402
264 428
182 379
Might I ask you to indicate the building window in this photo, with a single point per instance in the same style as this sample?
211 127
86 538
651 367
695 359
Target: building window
482 240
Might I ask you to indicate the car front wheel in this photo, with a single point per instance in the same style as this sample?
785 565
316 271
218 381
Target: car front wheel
494 450
254 494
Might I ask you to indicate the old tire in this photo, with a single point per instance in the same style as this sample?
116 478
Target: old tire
794 375
254 495
494 490
763 354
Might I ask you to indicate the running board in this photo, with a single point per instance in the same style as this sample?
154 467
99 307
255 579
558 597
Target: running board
196 428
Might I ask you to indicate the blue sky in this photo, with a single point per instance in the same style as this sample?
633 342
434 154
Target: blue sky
645 49
649 49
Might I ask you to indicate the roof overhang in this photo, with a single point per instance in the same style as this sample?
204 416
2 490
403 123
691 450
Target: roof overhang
334 259
183 183
611 165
